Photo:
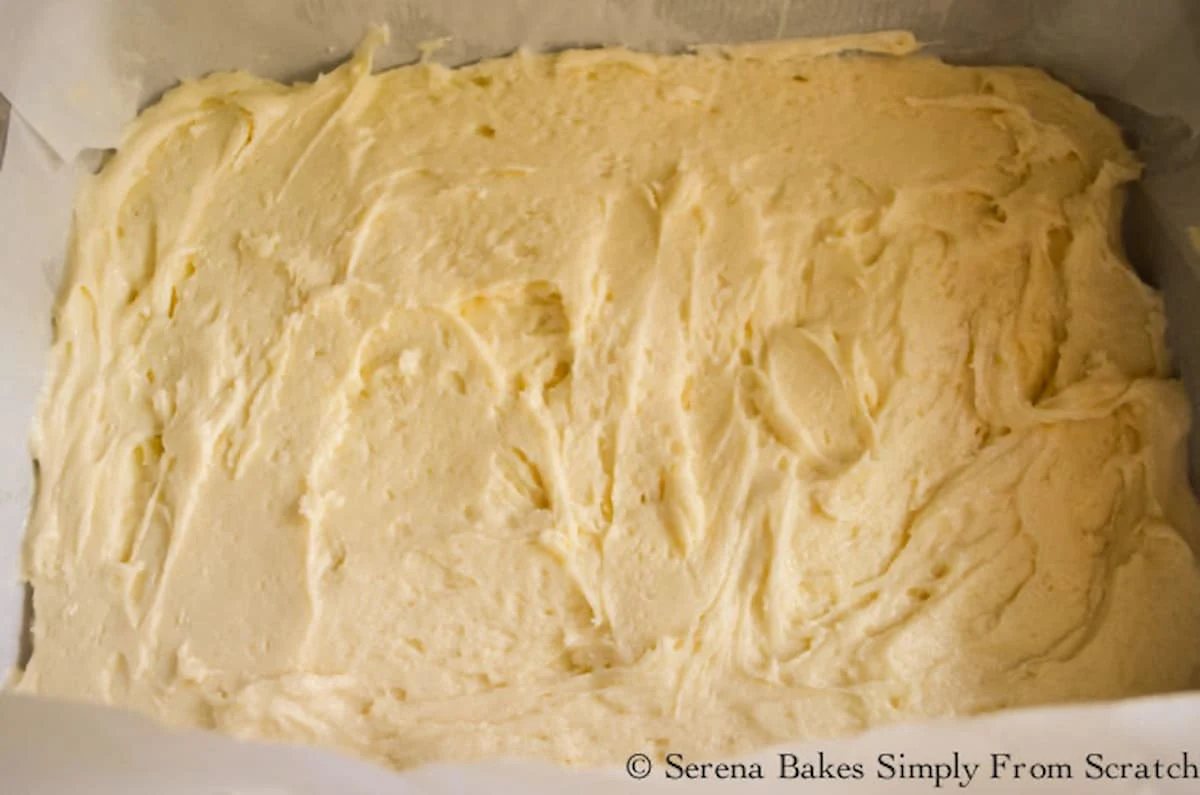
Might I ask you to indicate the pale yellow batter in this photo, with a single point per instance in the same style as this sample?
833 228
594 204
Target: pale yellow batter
570 406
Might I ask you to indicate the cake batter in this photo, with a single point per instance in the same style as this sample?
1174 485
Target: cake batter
567 406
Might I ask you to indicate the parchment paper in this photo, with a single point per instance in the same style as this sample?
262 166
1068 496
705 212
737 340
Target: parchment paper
76 70
50 747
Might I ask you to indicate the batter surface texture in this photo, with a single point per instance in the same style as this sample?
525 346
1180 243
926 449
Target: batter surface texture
575 405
